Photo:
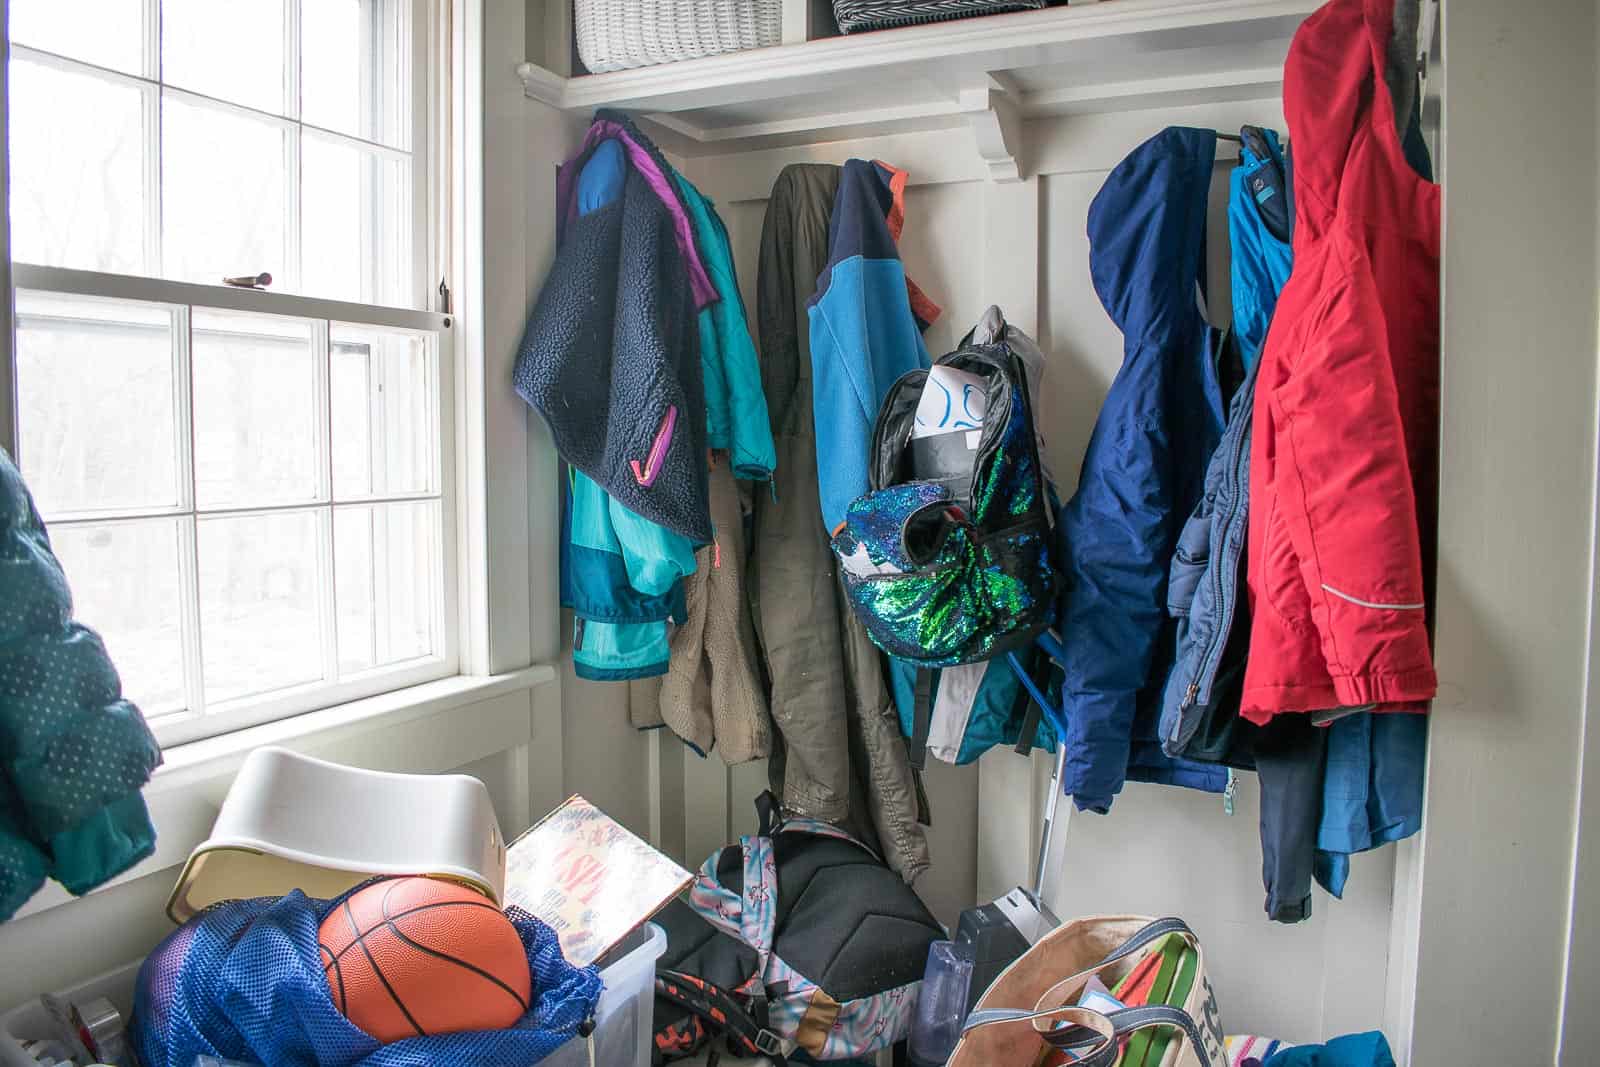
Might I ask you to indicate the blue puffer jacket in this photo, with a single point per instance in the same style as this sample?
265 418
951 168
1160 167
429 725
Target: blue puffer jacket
1144 469
1202 692
73 753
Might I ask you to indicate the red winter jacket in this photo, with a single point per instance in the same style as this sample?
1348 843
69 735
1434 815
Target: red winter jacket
1344 462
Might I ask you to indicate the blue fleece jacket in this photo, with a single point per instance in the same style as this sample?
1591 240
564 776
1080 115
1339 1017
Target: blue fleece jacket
736 406
865 332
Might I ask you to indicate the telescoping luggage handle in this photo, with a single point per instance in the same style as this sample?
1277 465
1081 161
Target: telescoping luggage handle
1094 1035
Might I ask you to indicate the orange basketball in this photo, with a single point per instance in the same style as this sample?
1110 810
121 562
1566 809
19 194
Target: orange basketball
409 957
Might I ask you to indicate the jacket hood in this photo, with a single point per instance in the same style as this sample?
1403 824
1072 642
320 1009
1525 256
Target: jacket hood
1337 98
1147 231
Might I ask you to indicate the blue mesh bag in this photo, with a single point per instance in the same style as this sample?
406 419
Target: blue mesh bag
243 981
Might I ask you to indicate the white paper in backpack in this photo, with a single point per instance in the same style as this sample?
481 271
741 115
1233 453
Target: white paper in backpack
951 400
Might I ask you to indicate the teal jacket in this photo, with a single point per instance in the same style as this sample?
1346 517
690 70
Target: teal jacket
73 753
736 406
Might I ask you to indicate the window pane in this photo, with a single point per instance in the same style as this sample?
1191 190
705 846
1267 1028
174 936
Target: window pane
95 403
229 49
108 33
386 557
124 579
224 194
354 63
355 228
259 594
78 191
256 417
383 404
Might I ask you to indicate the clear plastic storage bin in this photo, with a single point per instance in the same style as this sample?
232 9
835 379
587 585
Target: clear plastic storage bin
624 1020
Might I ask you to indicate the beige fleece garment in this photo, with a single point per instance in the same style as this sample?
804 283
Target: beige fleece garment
712 695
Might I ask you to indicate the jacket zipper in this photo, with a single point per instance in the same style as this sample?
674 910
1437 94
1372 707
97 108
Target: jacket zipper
658 450
1220 633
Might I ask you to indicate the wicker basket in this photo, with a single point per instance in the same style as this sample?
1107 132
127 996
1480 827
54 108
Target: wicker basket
622 34
857 15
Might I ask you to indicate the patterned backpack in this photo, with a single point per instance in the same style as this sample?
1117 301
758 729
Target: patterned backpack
947 560
823 945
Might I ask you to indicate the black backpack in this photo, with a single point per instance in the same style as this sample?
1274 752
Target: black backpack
817 941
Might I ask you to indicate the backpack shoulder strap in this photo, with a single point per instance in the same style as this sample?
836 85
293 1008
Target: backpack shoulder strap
749 916
921 719
758 908
719 1014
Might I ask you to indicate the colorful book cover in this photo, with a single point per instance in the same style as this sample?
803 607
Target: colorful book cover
593 882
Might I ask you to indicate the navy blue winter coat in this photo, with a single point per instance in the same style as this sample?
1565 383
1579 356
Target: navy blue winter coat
1144 469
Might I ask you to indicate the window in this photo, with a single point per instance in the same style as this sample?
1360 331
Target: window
250 491
203 139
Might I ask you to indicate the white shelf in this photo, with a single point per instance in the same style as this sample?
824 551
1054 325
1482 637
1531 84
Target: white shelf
988 72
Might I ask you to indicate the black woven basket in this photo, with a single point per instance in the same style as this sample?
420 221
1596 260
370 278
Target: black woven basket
857 15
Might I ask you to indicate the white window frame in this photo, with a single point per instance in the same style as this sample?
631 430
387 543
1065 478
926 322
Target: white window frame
429 165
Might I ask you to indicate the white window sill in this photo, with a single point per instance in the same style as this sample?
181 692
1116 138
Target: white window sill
429 728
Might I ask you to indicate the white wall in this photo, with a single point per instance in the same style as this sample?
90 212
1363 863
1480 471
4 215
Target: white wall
1496 900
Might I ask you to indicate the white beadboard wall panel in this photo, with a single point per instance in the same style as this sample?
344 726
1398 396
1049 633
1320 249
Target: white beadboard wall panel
1498 907
602 755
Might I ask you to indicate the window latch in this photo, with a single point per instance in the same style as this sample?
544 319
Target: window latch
249 281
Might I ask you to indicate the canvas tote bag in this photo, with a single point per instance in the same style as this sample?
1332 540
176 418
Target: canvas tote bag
1031 1007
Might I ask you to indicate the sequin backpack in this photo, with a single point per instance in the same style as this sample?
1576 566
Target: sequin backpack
947 558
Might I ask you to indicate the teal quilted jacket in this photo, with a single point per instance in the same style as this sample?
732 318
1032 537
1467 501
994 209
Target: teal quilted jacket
73 753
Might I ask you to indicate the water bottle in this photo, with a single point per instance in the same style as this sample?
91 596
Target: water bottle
942 1004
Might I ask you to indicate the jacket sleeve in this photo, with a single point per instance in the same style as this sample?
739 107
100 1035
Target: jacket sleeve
1347 503
1117 537
750 428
